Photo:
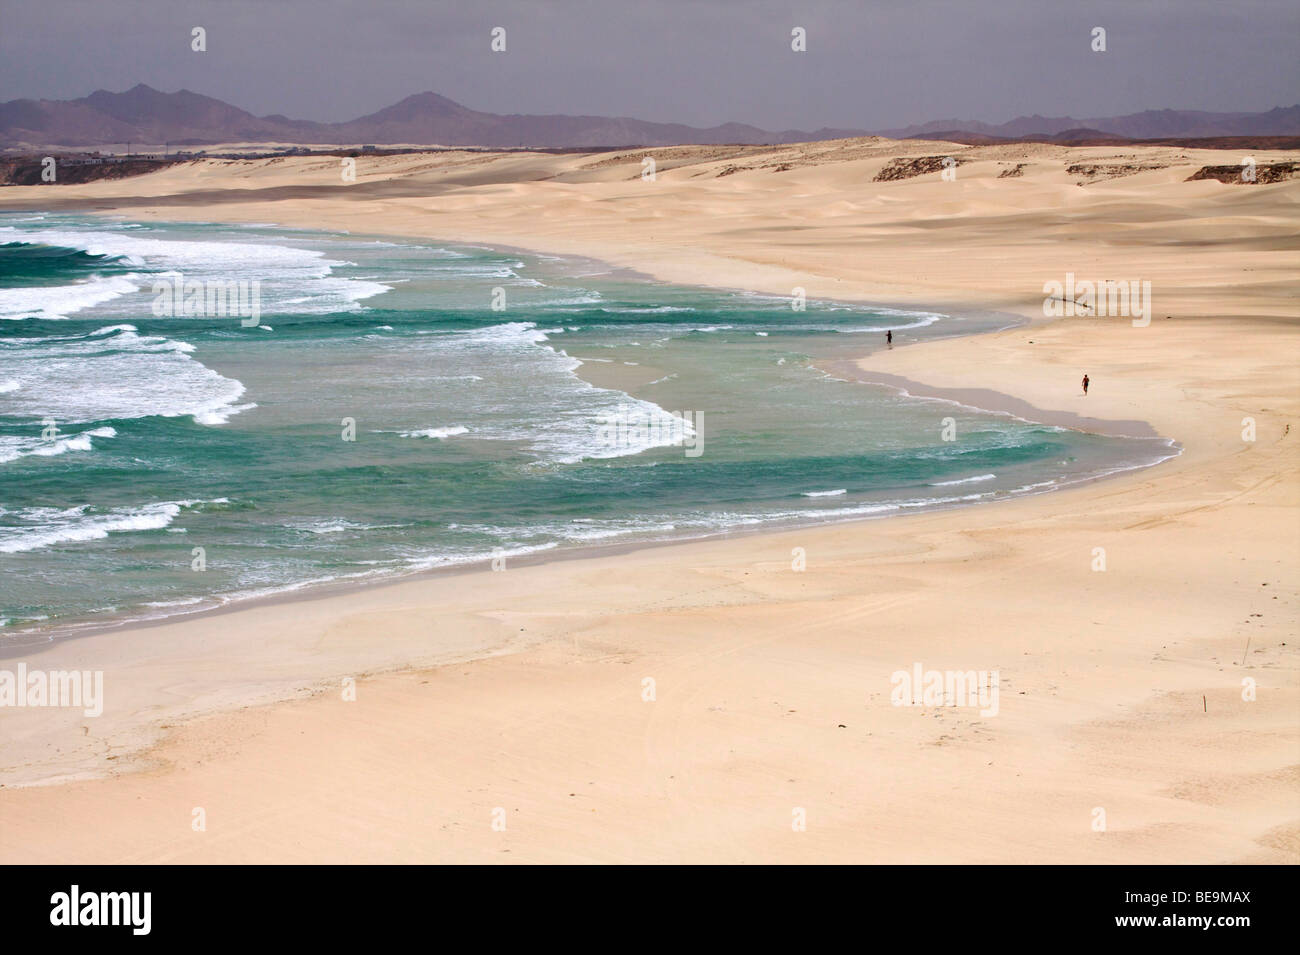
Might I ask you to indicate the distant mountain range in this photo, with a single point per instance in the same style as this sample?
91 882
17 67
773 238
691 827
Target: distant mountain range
143 115
1149 124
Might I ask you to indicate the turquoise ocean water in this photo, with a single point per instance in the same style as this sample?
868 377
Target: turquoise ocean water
128 439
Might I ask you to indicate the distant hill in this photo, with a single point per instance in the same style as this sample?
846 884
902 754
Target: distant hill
1149 124
145 115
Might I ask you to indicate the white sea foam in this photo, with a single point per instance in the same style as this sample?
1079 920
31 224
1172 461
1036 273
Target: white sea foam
590 298
339 526
292 279
182 602
532 395
439 433
835 493
46 527
221 415
12 447
183 254
61 301
112 373
967 480
918 320
652 310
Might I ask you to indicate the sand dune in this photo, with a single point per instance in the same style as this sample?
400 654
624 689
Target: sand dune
523 691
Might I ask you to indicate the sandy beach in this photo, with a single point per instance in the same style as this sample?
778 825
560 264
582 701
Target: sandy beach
503 717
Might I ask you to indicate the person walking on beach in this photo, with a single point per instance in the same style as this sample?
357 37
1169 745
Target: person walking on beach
889 338
1085 384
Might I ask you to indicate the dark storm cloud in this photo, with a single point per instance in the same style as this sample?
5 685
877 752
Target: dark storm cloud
869 64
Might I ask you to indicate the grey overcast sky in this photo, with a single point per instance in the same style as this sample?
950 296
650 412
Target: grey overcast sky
869 64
